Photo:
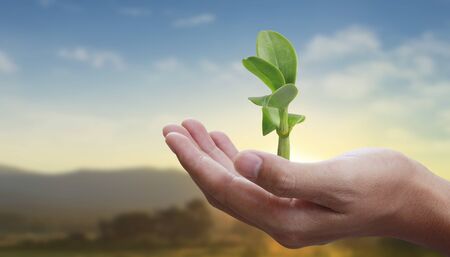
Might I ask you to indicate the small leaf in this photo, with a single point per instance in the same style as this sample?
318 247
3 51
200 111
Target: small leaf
277 50
294 119
270 120
283 96
268 73
259 100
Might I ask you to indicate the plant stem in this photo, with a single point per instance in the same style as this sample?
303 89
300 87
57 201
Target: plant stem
283 147
283 134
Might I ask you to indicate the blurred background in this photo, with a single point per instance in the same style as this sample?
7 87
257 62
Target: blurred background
86 87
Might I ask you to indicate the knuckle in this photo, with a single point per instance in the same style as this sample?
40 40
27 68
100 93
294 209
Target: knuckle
282 182
341 191
401 160
198 162
211 150
225 195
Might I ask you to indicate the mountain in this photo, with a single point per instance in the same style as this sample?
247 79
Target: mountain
4 169
84 196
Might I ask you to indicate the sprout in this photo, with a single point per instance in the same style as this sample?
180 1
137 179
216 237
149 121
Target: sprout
275 64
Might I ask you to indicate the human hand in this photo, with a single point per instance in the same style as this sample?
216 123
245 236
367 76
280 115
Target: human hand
367 192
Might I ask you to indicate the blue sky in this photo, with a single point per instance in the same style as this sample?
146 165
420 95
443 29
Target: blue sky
90 83
143 31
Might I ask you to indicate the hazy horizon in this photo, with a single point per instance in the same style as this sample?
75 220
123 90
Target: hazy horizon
15 168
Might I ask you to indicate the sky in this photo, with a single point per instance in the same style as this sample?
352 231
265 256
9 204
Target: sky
92 83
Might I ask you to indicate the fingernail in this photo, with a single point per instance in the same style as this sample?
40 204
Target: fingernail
249 165
169 144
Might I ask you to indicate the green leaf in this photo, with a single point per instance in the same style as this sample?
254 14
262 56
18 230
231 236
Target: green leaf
283 96
270 120
294 119
276 49
259 100
268 73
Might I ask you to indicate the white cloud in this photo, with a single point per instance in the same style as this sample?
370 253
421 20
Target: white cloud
348 85
348 42
168 64
398 106
194 21
134 11
7 65
209 66
427 44
95 58
428 89
352 64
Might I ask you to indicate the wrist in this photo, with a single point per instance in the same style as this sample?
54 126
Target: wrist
424 217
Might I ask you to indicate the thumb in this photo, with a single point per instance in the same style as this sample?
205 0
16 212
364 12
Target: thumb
282 177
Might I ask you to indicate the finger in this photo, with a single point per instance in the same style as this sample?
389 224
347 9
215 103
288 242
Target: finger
224 143
179 129
237 193
287 179
205 142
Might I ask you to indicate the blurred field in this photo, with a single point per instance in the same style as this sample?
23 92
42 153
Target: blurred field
365 247
117 253
72 216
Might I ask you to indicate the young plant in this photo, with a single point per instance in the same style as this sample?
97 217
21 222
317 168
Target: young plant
275 64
